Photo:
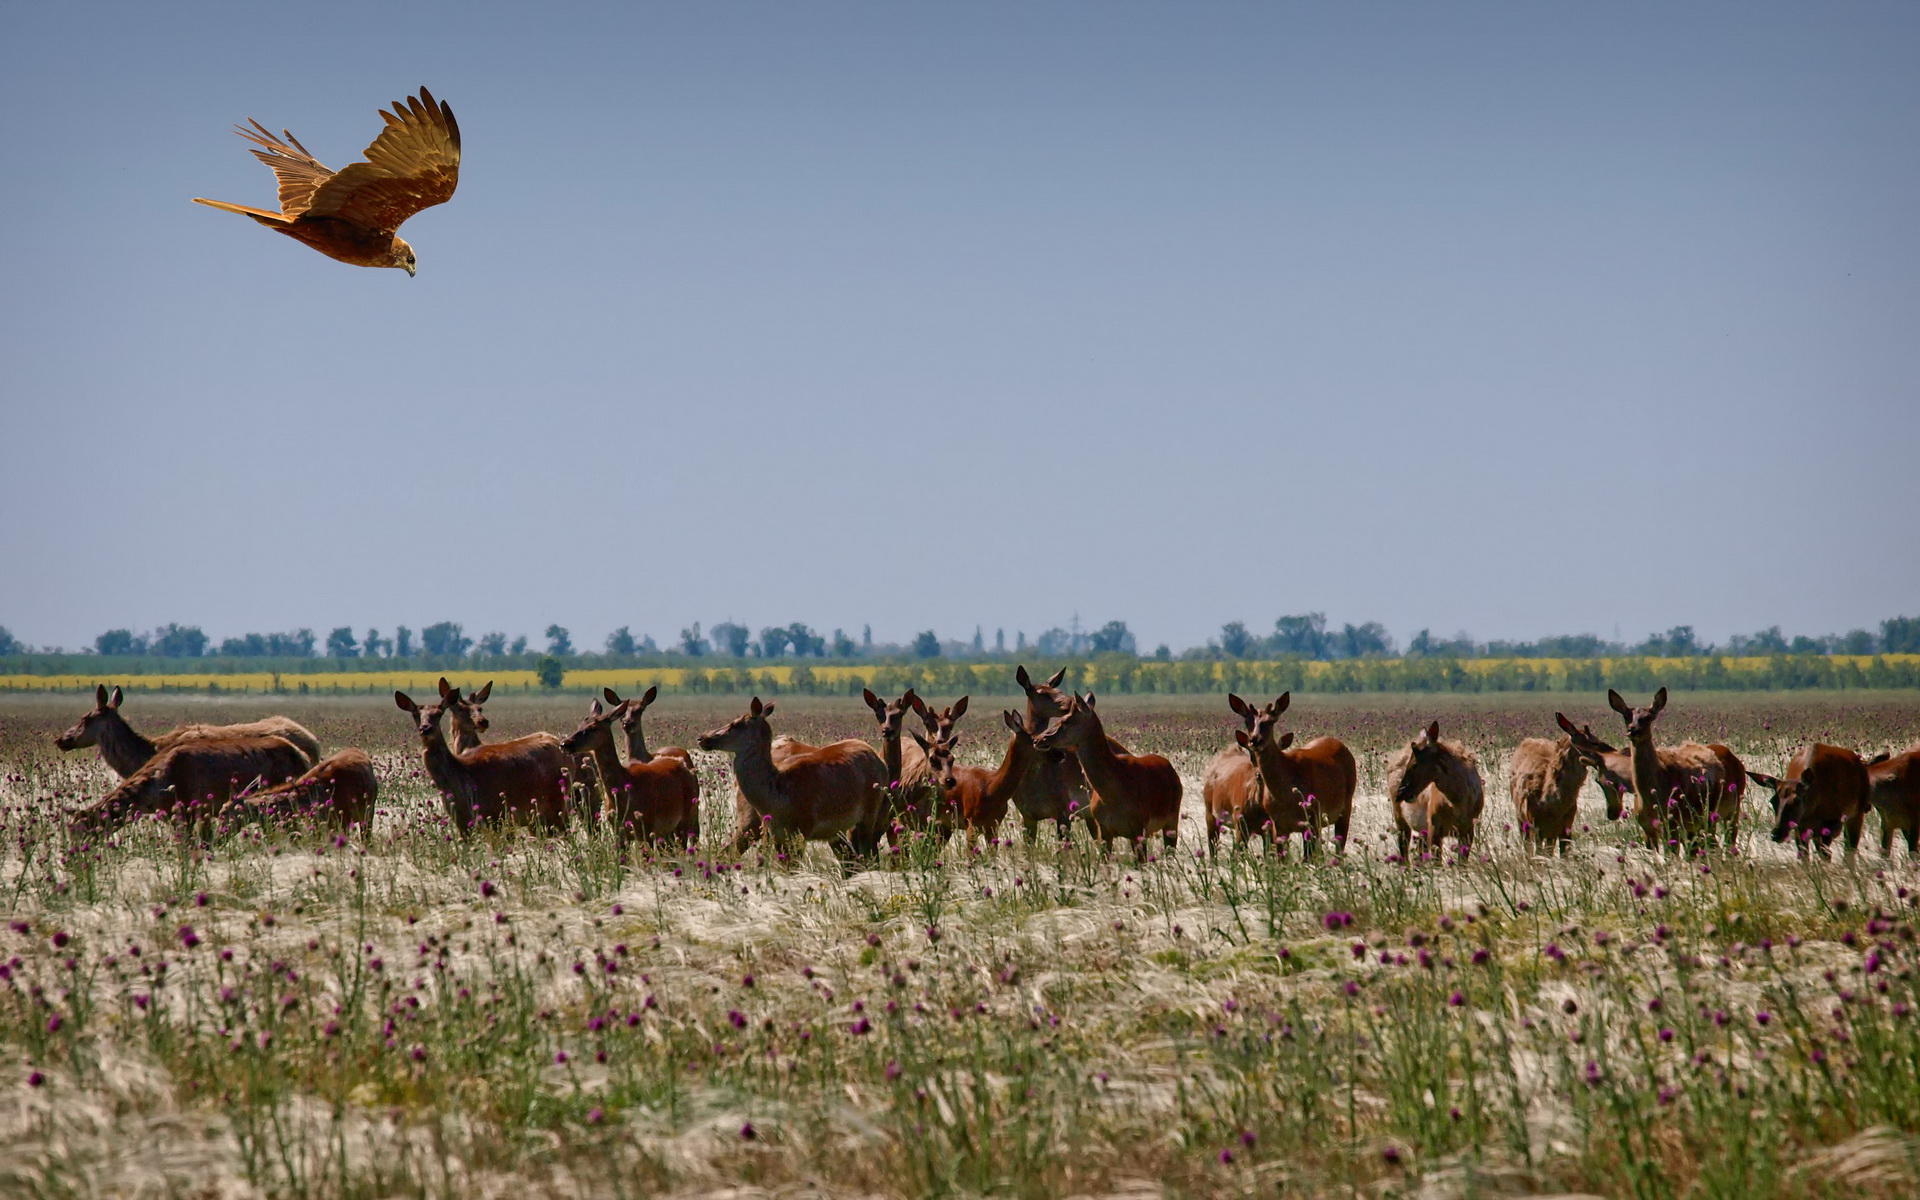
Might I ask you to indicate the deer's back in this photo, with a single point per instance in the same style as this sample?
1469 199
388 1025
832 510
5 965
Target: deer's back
285 728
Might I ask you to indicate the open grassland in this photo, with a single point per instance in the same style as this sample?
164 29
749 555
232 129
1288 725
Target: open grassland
405 1013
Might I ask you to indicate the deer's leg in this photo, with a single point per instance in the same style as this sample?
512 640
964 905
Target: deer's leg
1913 839
1850 831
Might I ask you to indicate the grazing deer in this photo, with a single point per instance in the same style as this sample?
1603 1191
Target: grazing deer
1826 791
1675 787
194 781
1435 788
1894 783
464 713
632 713
1134 795
976 798
526 778
658 799
1302 790
339 789
125 751
1544 778
835 793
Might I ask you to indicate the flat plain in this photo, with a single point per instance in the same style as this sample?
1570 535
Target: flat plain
403 1012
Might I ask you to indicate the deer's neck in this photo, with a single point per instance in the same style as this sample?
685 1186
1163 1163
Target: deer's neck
1645 761
637 744
606 760
1014 765
1098 760
1276 771
758 778
123 748
466 736
890 754
453 778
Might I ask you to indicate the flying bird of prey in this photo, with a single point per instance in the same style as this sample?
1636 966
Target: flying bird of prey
352 214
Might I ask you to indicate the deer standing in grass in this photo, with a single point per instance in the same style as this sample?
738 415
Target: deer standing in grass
976 798
1613 771
1301 790
1231 793
1544 778
835 793
1434 785
1677 789
912 797
125 751
194 781
1056 789
525 779
658 799
1826 791
1893 782
465 715
339 790
1133 795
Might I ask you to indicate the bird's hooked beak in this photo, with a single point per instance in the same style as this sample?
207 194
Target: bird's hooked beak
410 270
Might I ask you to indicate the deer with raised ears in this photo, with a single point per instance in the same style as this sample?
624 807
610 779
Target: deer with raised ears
1134 795
525 779
194 781
632 716
939 722
125 751
1677 789
1893 782
1435 788
975 799
1826 792
339 790
658 799
1302 790
1056 789
912 797
1544 778
464 713
1230 790
835 793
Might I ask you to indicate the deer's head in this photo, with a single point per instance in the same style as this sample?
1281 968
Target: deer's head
742 731
1639 720
86 731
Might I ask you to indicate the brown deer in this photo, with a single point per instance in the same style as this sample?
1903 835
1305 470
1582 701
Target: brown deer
976 798
1675 787
525 779
835 793
1826 791
125 751
1894 780
1055 790
912 797
1133 795
339 789
1544 778
1434 785
194 781
1302 790
658 799
632 714
464 713
1612 768
1231 793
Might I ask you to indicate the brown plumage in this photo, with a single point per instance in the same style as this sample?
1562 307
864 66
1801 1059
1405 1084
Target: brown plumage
354 214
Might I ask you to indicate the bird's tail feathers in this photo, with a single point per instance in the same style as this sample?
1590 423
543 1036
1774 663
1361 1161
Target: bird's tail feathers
259 214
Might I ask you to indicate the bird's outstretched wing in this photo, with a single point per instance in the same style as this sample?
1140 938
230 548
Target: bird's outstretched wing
413 164
299 173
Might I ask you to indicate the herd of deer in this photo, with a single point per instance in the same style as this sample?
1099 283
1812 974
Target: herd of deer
1058 765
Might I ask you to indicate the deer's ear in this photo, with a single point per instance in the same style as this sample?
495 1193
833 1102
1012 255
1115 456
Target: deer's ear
1012 721
1286 739
1240 735
1238 705
1021 677
1617 704
1433 732
920 742
1089 699
612 696
754 709
113 701
480 697
1765 781
873 701
446 689
100 694
1560 719
767 711
1057 677
1280 705
1659 700
594 709
650 695
405 703
959 708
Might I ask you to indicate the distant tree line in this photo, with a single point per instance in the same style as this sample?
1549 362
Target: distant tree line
1302 636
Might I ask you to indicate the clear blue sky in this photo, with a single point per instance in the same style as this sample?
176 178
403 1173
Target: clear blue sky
1517 319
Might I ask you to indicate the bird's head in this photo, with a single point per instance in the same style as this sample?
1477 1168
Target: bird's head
402 256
